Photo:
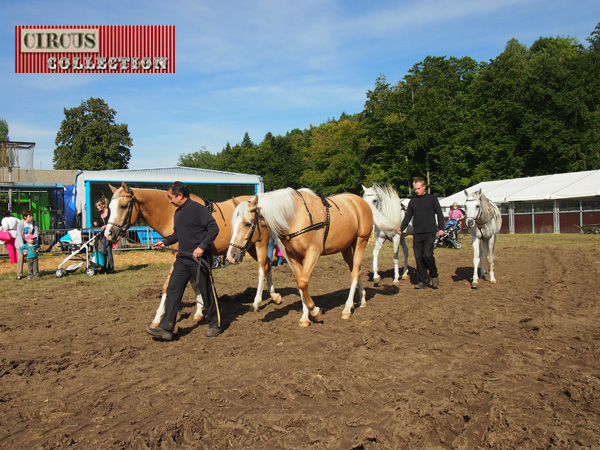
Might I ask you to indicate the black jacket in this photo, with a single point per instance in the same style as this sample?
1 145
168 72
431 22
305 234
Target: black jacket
423 210
194 227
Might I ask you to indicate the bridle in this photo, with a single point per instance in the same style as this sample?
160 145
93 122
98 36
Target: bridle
244 248
127 219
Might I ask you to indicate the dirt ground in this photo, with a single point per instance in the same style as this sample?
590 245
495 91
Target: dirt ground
510 365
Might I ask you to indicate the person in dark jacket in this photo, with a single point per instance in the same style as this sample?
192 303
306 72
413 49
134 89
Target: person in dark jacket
428 220
195 229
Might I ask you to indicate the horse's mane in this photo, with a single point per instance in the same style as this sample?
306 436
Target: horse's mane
488 209
278 208
388 215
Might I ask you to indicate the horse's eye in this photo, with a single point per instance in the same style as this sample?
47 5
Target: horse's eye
123 206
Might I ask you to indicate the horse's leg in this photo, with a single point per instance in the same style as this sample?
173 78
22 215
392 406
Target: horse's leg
353 256
396 242
303 270
199 301
259 253
405 253
378 244
476 250
490 257
160 312
483 255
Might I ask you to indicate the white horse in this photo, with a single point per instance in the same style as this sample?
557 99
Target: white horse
388 213
483 222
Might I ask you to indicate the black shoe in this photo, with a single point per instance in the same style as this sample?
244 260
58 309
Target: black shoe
158 332
18 278
421 285
213 332
435 282
110 272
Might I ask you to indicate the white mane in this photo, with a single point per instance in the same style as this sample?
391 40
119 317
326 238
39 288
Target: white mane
278 208
387 214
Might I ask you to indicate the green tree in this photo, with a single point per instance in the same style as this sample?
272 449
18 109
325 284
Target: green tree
3 130
202 159
90 139
333 162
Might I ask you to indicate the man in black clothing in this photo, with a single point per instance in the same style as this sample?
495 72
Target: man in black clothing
195 229
423 210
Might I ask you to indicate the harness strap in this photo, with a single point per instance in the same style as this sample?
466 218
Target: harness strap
314 226
212 207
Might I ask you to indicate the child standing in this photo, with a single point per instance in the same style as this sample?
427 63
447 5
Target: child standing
30 251
279 256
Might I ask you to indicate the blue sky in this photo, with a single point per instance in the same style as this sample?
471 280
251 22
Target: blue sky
259 66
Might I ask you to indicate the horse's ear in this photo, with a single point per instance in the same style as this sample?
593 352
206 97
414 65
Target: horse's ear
112 188
235 201
254 202
479 192
125 187
466 193
364 188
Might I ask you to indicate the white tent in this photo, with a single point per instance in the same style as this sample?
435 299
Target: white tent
575 185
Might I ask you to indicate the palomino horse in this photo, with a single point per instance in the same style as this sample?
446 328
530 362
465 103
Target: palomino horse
307 226
388 213
153 207
483 222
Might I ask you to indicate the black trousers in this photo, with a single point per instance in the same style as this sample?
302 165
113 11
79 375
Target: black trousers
423 246
183 269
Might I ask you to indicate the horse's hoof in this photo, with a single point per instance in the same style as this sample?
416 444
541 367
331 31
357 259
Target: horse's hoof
493 281
474 285
197 318
277 299
304 323
153 325
362 305
396 281
317 317
376 279
255 309
405 277
346 316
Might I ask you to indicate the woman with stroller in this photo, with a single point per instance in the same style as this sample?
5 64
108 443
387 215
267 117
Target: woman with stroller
456 213
105 246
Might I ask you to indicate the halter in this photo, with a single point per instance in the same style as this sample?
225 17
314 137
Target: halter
478 217
244 248
127 219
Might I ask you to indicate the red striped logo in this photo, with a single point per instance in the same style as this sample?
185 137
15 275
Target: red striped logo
95 49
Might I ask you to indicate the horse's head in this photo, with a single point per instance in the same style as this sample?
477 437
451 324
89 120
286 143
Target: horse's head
247 227
371 196
476 210
123 213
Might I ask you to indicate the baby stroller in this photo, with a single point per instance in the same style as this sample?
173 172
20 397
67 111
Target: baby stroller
80 253
450 237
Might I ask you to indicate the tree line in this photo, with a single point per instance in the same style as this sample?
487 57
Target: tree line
452 121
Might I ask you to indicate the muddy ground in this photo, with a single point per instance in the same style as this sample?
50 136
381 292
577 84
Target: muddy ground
511 365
